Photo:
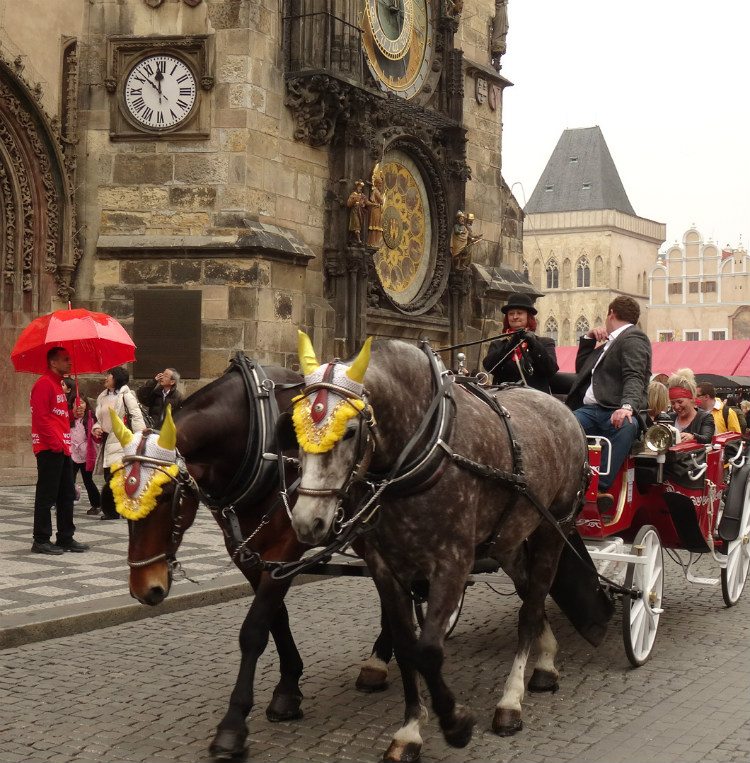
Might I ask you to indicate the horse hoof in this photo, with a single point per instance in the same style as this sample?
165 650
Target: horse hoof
228 744
506 722
371 680
400 752
284 707
458 734
543 680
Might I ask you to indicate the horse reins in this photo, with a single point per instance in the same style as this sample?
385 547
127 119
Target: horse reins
259 390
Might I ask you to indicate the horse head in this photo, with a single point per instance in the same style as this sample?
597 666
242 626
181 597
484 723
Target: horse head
148 491
333 423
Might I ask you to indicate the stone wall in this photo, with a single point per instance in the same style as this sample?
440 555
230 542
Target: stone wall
157 209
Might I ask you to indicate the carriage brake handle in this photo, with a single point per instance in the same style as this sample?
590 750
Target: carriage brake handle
736 462
700 469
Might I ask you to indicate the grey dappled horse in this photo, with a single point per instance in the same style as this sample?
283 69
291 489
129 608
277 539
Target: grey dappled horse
432 534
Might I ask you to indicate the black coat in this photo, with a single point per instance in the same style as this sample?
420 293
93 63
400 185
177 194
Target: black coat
621 377
539 362
702 426
151 396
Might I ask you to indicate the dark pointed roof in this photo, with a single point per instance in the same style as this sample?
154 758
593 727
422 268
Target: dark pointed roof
580 175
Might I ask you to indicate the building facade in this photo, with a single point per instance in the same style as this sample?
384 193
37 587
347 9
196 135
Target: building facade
583 244
196 166
698 291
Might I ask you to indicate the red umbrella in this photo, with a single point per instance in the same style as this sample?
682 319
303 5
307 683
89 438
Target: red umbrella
95 341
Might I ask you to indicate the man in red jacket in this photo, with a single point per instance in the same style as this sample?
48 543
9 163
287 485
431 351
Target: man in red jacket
50 439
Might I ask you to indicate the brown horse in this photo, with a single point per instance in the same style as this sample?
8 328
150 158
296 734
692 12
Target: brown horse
213 452
451 473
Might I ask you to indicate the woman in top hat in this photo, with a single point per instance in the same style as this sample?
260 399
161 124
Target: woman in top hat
533 362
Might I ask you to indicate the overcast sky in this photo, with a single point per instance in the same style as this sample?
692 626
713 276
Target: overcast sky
668 82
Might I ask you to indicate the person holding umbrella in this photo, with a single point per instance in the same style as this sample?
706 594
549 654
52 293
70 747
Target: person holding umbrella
50 439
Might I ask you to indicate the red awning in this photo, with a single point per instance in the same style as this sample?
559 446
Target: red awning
728 357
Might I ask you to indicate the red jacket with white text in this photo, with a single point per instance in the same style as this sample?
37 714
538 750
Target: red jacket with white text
50 421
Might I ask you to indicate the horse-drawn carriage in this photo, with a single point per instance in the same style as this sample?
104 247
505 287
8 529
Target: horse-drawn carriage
688 498
458 465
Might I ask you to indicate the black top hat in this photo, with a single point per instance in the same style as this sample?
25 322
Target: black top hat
521 301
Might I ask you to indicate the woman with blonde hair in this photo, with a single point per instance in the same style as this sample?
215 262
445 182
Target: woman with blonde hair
658 401
694 424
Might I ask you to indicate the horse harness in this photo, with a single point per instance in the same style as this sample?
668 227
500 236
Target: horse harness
255 476
409 476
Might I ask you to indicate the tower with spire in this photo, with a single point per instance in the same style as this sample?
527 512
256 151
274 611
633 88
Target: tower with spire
583 242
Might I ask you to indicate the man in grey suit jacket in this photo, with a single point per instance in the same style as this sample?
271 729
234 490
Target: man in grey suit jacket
611 383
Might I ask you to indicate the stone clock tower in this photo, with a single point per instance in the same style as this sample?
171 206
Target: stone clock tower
404 95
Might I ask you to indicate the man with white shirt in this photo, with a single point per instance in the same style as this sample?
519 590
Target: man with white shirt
613 367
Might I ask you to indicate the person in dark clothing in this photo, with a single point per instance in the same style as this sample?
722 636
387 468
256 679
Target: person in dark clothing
693 424
158 393
533 361
611 385
733 404
50 439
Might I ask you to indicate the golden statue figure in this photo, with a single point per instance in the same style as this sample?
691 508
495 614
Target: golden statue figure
376 203
357 203
462 239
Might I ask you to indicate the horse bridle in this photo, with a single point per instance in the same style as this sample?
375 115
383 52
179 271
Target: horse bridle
366 447
183 481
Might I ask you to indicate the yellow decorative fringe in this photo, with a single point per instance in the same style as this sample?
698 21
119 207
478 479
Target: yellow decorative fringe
131 509
314 439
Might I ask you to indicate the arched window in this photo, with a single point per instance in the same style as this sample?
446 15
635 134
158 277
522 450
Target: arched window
599 272
537 273
582 327
598 321
550 328
565 335
566 282
639 284
618 273
553 275
583 273
525 269
645 283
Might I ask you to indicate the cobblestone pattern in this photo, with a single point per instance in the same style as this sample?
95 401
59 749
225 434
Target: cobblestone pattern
154 690
33 582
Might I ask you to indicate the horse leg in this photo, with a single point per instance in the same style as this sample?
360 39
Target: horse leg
446 587
543 555
545 676
406 745
287 697
373 672
231 733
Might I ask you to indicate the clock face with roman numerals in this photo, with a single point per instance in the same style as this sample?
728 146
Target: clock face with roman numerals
160 92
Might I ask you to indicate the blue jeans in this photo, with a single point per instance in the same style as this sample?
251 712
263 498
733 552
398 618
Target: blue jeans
596 420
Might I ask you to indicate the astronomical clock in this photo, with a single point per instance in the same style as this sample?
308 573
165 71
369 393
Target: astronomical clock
399 107
398 42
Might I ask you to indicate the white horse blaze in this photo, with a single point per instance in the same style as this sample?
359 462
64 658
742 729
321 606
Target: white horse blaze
514 686
409 732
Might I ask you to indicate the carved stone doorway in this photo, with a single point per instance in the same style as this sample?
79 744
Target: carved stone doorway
36 244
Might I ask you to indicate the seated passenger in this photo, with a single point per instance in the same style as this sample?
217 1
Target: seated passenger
693 424
658 402
534 361
610 384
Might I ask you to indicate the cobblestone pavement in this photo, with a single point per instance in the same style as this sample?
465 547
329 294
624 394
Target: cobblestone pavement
37 587
154 690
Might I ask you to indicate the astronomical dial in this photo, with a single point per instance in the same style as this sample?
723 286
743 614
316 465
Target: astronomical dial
398 43
404 262
160 92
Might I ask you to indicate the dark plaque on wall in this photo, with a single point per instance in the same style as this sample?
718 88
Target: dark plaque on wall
167 332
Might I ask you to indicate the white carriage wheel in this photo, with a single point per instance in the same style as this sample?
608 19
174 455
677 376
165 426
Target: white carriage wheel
420 610
640 616
734 575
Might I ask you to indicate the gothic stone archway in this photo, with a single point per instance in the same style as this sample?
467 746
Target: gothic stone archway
37 252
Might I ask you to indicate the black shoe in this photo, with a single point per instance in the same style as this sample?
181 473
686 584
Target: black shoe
109 516
45 548
73 545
